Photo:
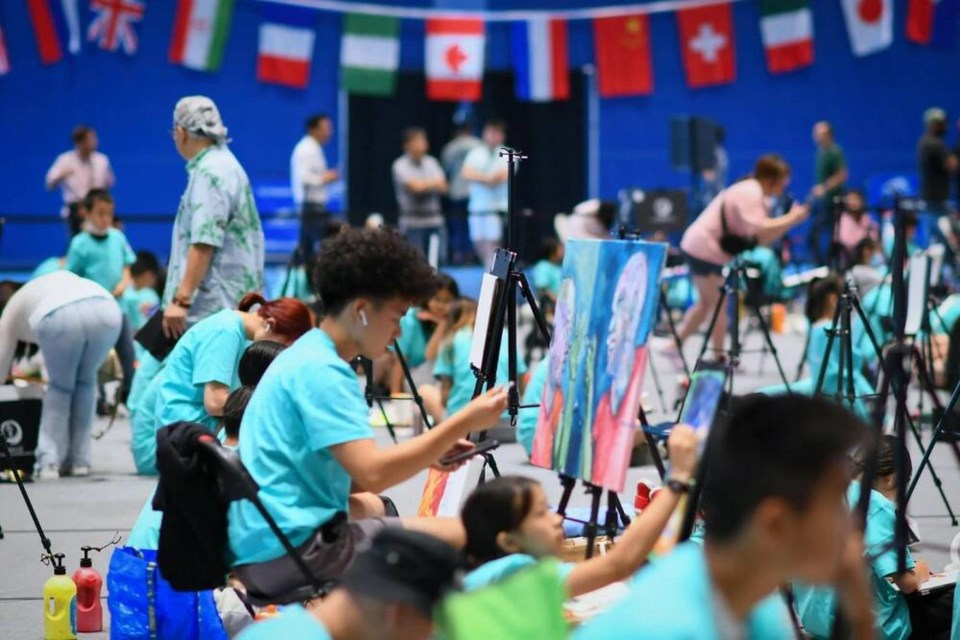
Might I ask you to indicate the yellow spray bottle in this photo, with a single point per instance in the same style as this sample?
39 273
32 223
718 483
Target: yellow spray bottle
59 604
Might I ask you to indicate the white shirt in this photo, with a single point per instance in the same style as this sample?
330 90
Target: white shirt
76 176
34 301
307 168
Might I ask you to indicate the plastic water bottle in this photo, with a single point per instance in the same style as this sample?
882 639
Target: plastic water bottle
642 498
59 604
89 584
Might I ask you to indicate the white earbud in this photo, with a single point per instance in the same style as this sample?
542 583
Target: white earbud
363 317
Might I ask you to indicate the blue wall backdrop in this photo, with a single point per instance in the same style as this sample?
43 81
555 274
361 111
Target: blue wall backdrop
875 103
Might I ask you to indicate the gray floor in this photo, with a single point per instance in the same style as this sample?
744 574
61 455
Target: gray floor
77 512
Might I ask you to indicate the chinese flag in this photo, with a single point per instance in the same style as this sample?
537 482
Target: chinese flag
623 55
706 36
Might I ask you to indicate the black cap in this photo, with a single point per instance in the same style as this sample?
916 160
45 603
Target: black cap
406 567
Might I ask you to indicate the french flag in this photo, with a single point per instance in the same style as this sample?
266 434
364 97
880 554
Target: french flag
933 22
286 46
56 24
540 60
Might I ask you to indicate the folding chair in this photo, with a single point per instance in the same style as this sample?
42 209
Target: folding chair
237 484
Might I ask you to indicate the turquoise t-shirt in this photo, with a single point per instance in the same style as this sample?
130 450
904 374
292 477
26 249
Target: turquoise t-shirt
546 277
878 305
816 605
100 260
138 305
533 394
454 362
209 352
673 599
48 266
309 400
955 627
413 338
143 429
294 622
948 312
496 570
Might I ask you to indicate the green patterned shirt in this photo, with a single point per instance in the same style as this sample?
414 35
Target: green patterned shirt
217 209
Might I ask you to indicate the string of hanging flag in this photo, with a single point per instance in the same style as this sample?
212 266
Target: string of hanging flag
455 41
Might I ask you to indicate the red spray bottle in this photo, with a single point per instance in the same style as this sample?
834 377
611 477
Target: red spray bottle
89 584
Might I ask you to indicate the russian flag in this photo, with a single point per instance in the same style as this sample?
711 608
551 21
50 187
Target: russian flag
540 60
56 24
933 22
286 46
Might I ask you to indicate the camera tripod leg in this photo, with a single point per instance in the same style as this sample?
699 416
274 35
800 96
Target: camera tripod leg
408 376
591 526
673 331
765 330
717 310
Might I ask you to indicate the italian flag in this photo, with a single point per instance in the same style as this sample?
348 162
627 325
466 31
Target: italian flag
787 30
369 54
200 33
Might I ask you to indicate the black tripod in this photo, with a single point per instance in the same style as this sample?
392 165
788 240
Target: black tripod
44 540
731 287
504 315
371 397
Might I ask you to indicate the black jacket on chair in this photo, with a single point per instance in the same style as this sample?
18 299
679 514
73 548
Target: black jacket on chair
193 534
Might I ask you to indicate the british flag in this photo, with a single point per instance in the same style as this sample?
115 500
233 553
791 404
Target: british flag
113 25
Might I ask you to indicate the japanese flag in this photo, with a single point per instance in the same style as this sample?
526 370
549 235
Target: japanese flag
870 25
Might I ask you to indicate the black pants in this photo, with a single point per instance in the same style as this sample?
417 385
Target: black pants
74 220
314 223
931 615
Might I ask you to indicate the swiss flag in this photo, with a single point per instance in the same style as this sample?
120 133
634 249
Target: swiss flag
454 58
623 55
706 37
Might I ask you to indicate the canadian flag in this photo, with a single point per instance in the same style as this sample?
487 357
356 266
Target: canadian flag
454 58
706 36
869 24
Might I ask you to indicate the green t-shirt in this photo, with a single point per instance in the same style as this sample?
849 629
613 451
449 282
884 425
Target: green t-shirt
829 161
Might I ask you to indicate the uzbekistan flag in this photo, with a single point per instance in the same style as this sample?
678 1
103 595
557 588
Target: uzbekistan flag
286 46
200 33
540 60
933 22
56 25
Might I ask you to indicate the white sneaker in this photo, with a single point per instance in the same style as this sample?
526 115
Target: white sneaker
48 473
80 472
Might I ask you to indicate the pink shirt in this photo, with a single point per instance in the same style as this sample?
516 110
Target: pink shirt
76 177
851 232
745 211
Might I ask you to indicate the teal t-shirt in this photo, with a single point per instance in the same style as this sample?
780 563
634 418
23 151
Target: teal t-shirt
546 277
209 352
143 429
947 315
673 599
100 259
293 622
878 307
48 266
496 570
309 400
138 305
816 605
454 362
413 338
532 395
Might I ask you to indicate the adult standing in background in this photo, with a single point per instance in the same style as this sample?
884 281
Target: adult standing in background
419 181
486 172
309 177
452 157
830 172
216 255
75 322
935 163
78 171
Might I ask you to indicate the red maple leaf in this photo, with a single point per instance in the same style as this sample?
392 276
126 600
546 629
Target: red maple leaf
870 10
454 57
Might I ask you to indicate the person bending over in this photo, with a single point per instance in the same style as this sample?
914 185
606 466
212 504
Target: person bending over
777 476
306 438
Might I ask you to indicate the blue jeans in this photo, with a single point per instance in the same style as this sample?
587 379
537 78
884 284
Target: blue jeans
74 339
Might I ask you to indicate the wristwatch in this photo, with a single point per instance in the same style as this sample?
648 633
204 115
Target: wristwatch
180 302
678 487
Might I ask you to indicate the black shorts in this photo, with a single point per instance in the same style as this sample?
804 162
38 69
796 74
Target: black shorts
700 267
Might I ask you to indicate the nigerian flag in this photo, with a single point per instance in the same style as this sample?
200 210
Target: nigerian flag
369 54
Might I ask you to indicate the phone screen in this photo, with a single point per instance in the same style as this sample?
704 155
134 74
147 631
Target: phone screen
703 398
